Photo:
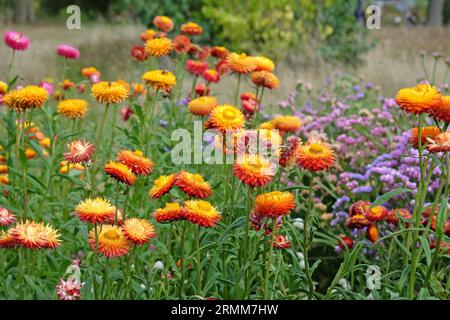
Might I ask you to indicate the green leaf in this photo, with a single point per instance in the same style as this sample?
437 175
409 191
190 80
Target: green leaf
387 196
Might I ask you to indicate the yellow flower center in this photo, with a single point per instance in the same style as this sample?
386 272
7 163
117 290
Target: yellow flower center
172 206
203 205
229 114
139 153
316 148
112 235
197 178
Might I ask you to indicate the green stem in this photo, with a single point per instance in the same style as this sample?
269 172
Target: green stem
247 228
180 287
197 250
266 277
306 238
100 132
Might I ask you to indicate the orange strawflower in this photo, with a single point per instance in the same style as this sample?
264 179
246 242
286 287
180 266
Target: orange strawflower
109 92
288 153
147 35
30 153
372 233
196 67
377 213
265 79
441 112
193 185
191 28
138 231
89 71
419 99
226 117
163 23
357 221
287 123
160 79
111 241
120 172
220 52
3 168
202 213
315 156
158 47
136 162
254 170
202 106
240 63
439 143
281 242
394 214
162 185
171 212
211 75
98 210
4 179
182 44
426 133
274 204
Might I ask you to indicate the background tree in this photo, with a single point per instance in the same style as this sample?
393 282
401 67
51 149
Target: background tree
435 16
24 11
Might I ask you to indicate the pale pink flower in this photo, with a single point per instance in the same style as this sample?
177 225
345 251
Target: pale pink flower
69 290
16 40
79 151
7 217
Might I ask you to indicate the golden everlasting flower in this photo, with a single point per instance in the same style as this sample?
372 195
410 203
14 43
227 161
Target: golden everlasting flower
138 231
160 79
136 162
29 97
67 167
191 28
226 117
3 168
269 125
111 241
240 63
193 185
202 213
441 111
202 106
73 108
162 185
158 47
98 210
30 153
109 92
419 99
287 123
425 134
274 204
263 64
315 156
265 79
254 170
120 172
171 212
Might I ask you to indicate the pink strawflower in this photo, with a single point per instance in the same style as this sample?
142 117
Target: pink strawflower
69 290
16 40
66 51
126 113
79 151
48 86
7 217
95 77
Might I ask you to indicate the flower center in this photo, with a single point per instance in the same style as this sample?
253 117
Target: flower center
316 148
203 205
229 114
112 235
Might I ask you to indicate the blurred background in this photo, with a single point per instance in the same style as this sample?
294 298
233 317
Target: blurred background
309 40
